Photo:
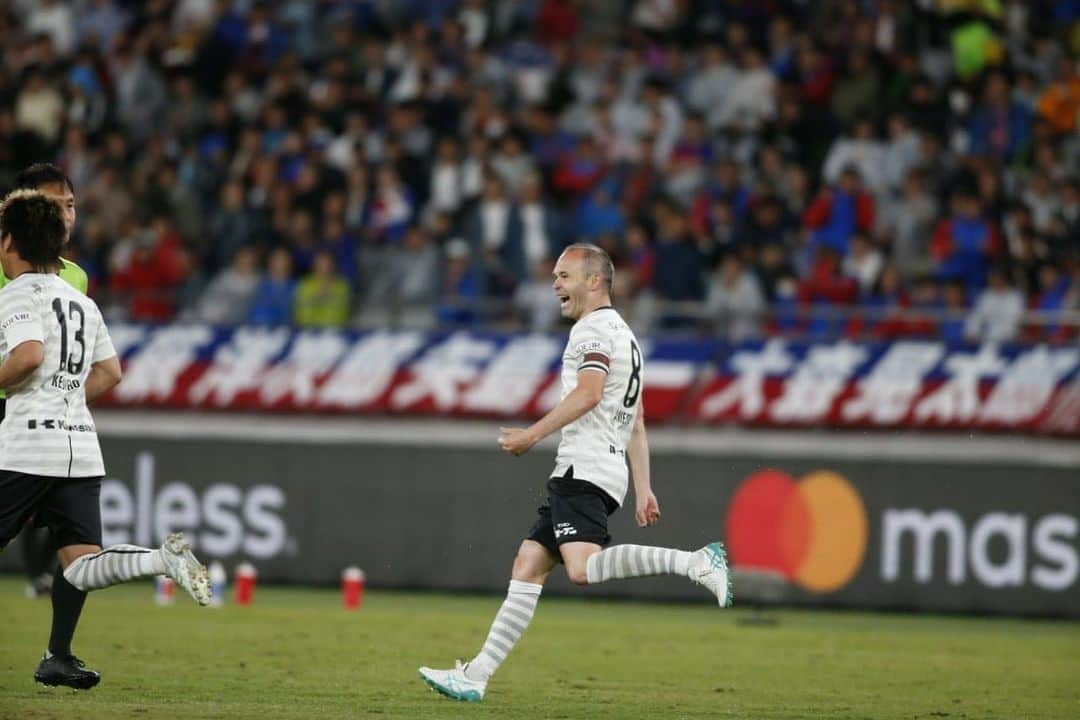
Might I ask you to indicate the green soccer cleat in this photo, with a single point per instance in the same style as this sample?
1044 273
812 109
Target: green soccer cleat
453 683
709 568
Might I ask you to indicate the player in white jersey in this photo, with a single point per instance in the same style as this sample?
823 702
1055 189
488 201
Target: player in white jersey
602 423
57 357
39 555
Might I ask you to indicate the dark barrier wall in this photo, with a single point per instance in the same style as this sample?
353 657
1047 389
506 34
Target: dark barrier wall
855 533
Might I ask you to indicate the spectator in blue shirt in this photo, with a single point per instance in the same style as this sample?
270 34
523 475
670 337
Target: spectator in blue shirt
273 301
999 127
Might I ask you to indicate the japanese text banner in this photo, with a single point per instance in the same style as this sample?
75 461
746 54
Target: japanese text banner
912 384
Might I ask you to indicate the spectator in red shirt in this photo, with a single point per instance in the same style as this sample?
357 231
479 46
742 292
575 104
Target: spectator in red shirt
557 20
580 170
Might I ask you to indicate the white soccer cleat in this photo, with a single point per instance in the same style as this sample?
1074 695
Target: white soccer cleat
185 569
709 568
453 683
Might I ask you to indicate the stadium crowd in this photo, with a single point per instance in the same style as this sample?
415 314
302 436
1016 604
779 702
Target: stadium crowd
896 168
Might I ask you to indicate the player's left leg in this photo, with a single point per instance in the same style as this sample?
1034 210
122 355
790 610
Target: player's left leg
39 559
20 496
580 514
588 564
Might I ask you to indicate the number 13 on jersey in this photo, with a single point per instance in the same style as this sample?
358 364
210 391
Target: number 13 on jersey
71 363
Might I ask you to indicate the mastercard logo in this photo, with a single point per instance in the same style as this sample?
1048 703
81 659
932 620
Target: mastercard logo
812 530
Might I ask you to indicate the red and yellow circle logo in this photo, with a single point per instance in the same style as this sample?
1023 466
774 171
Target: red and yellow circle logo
813 531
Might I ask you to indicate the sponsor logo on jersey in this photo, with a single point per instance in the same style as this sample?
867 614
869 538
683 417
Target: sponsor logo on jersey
58 424
16 318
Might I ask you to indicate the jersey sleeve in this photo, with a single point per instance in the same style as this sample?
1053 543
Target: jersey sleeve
103 347
591 348
20 321
74 276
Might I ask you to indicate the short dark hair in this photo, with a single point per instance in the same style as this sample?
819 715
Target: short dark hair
39 174
35 223
596 261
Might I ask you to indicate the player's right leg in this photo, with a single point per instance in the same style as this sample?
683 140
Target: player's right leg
533 563
72 511
89 567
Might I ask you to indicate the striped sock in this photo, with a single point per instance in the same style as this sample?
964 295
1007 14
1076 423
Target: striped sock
510 622
113 565
628 561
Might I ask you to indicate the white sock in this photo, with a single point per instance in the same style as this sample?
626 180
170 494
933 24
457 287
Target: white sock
629 561
509 624
112 566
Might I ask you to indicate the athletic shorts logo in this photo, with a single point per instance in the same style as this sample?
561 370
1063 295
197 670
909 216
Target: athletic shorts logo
562 529
813 531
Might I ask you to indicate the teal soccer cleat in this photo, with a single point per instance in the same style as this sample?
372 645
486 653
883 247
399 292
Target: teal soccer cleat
453 683
709 568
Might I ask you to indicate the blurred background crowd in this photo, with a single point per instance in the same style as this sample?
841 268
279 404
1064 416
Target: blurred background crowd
863 168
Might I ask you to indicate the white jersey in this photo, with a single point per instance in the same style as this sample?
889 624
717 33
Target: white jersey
595 444
47 429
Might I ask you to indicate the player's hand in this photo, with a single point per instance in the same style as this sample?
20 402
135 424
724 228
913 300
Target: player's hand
516 441
648 510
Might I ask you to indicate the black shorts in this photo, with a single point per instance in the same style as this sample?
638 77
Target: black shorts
71 509
576 511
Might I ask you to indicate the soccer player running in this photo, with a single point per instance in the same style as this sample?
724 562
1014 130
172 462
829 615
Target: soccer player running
39 558
58 357
601 419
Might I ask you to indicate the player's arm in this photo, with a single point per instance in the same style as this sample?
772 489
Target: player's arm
24 333
647 510
580 400
22 361
105 370
104 376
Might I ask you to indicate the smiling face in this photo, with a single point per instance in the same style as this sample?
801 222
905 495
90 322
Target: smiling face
574 285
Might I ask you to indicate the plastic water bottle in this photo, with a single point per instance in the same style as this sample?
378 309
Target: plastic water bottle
164 590
352 588
218 577
244 584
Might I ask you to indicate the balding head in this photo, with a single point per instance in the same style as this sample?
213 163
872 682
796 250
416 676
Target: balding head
582 280
597 262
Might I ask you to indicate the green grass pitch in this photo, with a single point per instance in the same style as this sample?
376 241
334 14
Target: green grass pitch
296 654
